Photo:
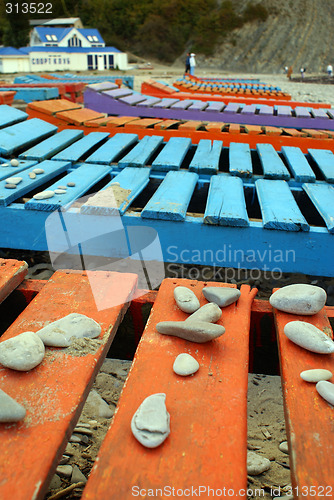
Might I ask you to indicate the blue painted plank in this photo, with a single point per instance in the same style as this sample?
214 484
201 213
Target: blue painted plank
206 157
298 164
149 101
84 177
133 99
278 206
283 110
172 155
166 102
302 112
226 204
249 109
118 194
117 93
82 147
102 86
113 148
325 161
52 145
51 170
9 115
23 134
266 110
171 200
7 170
272 165
215 106
322 196
240 160
183 104
198 106
141 153
29 94
232 107
320 113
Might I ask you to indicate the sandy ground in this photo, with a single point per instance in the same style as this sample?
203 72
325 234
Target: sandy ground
266 426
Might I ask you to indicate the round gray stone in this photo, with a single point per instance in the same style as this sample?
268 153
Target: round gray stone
38 171
199 331
209 312
14 162
222 296
60 332
10 410
186 299
299 299
283 447
23 352
71 184
14 180
309 337
32 175
326 391
256 464
185 365
316 375
10 186
150 423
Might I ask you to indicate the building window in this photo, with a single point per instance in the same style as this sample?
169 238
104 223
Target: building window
95 39
90 62
74 41
90 38
111 61
48 37
54 38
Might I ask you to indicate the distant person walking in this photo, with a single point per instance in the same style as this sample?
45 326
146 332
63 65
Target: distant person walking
302 72
187 69
330 70
192 63
289 73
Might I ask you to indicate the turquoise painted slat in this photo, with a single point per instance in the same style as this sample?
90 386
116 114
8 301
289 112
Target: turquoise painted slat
206 157
6 170
113 148
278 206
298 164
82 147
23 134
51 146
322 196
141 153
172 155
84 178
127 185
51 170
226 204
171 200
272 165
10 115
240 160
325 161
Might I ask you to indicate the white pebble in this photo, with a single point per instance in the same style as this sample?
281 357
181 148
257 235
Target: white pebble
14 162
150 423
309 337
222 296
60 332
71 184
23 352
10 410
185 365
32 175
194 331
315 375
209 312
326 391
14 180
60 191
38 171
62 187
5 164
186 299
44 195
299 299
256 464
10 186
283 447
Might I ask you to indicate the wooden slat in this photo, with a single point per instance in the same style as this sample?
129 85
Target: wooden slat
190 125
240 159
143 123
166 102
253 129
278 206
112 149
84 178
171 200
165 124
82 147
172 155
12 273
275 131
322 195
298 164
226 204
208 411
206 157
131 182
272 165
53 106
54 392
132 99
120 121
23 134
215 126
51 170
79 116
142 152
309 419
10 115
51 146
324 158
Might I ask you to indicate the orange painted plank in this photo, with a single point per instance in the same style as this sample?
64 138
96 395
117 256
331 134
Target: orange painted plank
191 125
54 392
80 116
143 123
294 132
119 121
275 131
215 126
12 273
253 129
234 128
207 443
53 106
330 133
317 134
309 418
99 122
166 124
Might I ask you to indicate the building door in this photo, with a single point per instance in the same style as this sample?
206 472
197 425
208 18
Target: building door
100 63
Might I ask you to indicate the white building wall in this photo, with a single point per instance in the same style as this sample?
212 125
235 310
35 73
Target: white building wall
14 64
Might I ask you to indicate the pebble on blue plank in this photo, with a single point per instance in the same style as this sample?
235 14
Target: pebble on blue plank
43 195
14 180
186 299
299 299
14 162
39 171
150 424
